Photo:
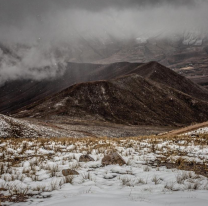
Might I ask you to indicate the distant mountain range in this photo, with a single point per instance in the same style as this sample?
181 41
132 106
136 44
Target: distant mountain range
187 54
125 82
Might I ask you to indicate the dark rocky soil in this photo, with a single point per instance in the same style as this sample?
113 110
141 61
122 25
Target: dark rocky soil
129 99
19 93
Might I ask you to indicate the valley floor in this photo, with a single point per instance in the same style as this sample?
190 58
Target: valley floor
95 128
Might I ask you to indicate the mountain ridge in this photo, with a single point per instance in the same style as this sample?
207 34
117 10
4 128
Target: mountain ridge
17 94
129 99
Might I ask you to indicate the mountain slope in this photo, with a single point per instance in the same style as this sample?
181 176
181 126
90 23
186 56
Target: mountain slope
17 94
168 77
129 99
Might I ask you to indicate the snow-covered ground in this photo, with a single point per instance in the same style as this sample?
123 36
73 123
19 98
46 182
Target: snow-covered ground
122 197
32 168
203 130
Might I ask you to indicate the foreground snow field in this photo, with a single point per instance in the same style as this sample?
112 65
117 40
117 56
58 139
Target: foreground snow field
158 171
122 198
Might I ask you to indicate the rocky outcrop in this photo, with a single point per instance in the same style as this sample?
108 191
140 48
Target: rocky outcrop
67 172
85 158
113 159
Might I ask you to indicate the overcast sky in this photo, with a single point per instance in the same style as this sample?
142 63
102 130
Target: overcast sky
17 11
55 20
44 25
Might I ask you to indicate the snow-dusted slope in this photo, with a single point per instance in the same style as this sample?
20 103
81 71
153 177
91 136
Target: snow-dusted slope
12 127
203 130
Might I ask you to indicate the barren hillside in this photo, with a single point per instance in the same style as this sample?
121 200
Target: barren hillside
17 94
129 99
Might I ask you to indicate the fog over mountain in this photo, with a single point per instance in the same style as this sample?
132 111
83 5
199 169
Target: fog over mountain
39 34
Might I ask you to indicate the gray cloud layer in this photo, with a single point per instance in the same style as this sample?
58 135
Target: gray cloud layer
29 20
43 25
13 11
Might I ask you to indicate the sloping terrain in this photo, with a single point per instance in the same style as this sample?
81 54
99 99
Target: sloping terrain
15 128
168 77
192 130
17 94
129 99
